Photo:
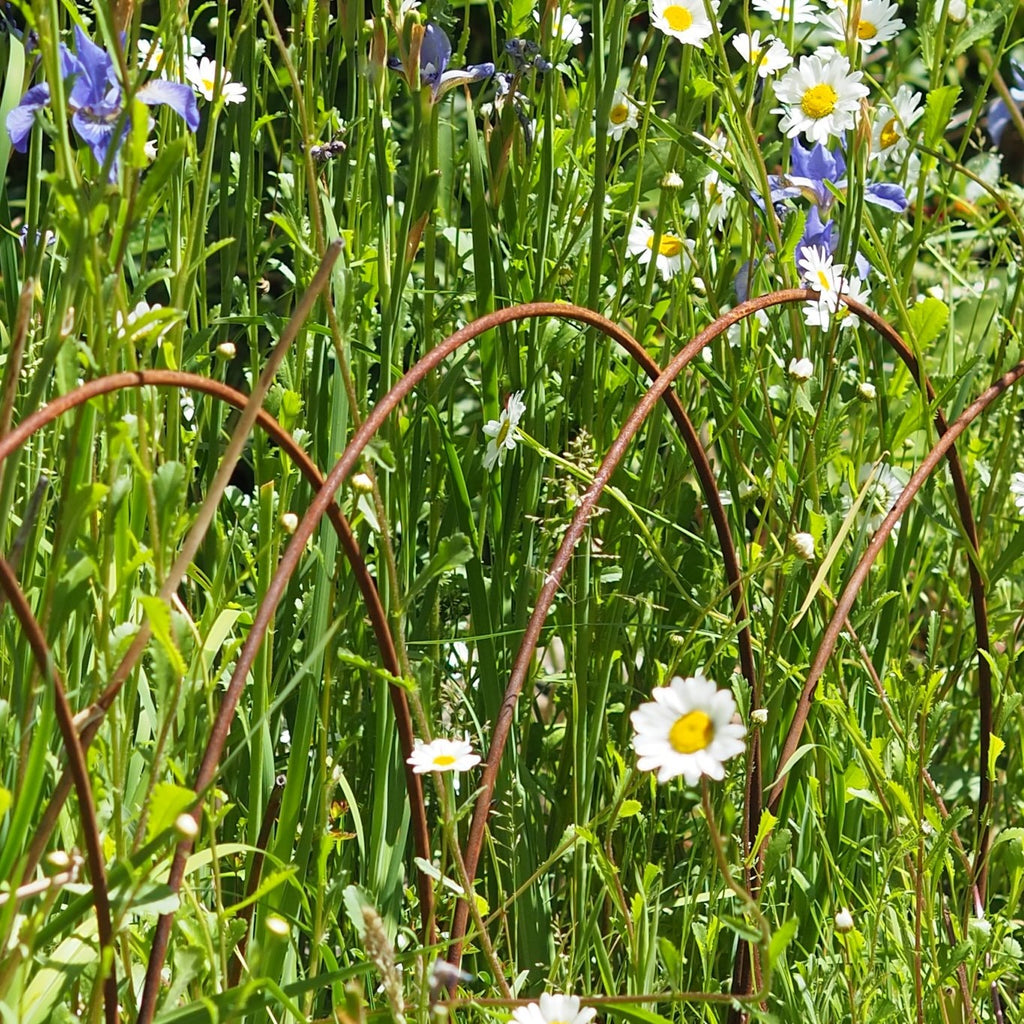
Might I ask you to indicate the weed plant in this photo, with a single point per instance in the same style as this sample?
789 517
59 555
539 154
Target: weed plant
206 806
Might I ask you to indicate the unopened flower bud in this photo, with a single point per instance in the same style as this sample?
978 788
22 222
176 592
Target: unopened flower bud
867 391
759 716
277 926
672 180
187 826
844 921
803 545
226 350
362 483
289 522
801 370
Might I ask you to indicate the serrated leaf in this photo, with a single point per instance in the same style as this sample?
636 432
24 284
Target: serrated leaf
937 112
167 801
629 808
928 320
983 26
159 616
995 748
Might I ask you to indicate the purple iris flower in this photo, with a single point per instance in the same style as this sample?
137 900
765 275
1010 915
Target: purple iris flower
435 52
999 112
96 102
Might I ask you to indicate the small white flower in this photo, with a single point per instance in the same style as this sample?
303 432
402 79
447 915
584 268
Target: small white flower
563 26
717 194
884 485
877 22
1017 490
554 1009
828 278
685 20
767 56
801 370
803 546
687 730
844 921
151 51
956 11
668 251
889 129
502 431
820 97
759 716
442 755
800 12
202 75
866 391
623 115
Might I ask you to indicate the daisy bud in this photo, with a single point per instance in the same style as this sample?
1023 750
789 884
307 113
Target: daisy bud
801 370
844 921
867 392
362 483
187 826
759 716
277 926
289 522
226 350
672 181
803 545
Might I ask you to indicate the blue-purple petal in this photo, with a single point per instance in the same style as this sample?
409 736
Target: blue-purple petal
180 98
23 116
98 135
891 197
435 52
97 68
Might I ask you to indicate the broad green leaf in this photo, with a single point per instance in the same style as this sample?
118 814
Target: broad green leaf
995 748
167 801
938 109
928 319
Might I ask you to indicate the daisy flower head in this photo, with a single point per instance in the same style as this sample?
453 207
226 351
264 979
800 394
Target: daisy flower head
1017 490
877 21
150 52
884 484
554 1009
889 130
817 270
564 26
687 730
717 194
623 115
820 97
828 306
203 76
767 56
502 431
800 12
668 251
685 20
442 755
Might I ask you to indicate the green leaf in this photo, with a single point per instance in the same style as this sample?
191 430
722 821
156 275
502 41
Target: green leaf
167 801
928 320
780 940
159 616
938 109
764 830
982 26
629 808
996 747
5 801
451 552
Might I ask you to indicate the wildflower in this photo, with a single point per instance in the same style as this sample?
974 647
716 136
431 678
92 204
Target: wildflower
717 194
844 921
442 755
96 102
800 12
502 431
687 730
668 251
999 112
435 52
563 26
672 180
866 391
1017 490
801 370
203 76
150 52
186 826
889 131
767 56
289 522
685 20
803 547
956 11
759 716
622 116
820 97
830 281
554 1009
884 484
877 21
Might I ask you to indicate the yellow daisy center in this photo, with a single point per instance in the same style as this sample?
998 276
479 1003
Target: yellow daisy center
444 760
668 246
679 18
503 430
693 732
819 101
865 30
619 114
890 134
823 281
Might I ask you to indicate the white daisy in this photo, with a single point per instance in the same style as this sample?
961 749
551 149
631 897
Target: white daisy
685 20
687 730
502 431
820 97
767 56
563 26
883 491
889 131
800 12
669 251
717 194
801 370
151 52
877 21
820 312
1017 490
623 115
202 75
554 1009
817 269
442 756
